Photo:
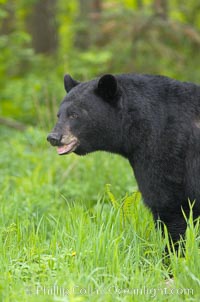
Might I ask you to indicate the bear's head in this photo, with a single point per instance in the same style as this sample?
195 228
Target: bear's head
89 117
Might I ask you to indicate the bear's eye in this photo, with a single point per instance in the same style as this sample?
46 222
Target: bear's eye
73 115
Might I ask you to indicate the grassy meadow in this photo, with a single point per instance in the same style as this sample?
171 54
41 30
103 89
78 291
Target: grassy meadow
65 236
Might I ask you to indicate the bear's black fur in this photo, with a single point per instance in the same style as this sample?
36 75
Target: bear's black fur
154 122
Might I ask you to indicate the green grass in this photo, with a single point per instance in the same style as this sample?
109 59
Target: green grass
62 239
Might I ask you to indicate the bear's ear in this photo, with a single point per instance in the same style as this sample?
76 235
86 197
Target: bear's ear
69 83
107 86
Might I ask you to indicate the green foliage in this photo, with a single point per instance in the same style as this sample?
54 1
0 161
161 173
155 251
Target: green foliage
14 55
128 203
112 198
90 64
127 206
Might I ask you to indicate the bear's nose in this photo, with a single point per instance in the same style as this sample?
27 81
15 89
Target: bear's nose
54 139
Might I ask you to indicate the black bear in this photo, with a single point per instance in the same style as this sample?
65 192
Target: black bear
154 122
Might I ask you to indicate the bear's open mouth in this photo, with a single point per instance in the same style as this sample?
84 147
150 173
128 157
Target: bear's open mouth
67 148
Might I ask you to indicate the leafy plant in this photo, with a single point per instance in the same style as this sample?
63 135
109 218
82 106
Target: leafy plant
126 207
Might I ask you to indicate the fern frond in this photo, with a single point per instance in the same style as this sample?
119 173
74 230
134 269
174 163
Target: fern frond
112 197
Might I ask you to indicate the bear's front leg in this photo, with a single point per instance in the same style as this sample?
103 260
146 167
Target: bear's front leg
175 222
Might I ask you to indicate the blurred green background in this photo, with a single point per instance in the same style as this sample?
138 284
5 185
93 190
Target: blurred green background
40 41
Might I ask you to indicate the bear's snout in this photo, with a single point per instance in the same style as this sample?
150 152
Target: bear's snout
54 139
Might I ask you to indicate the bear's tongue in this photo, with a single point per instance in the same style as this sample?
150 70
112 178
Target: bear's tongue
64 149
